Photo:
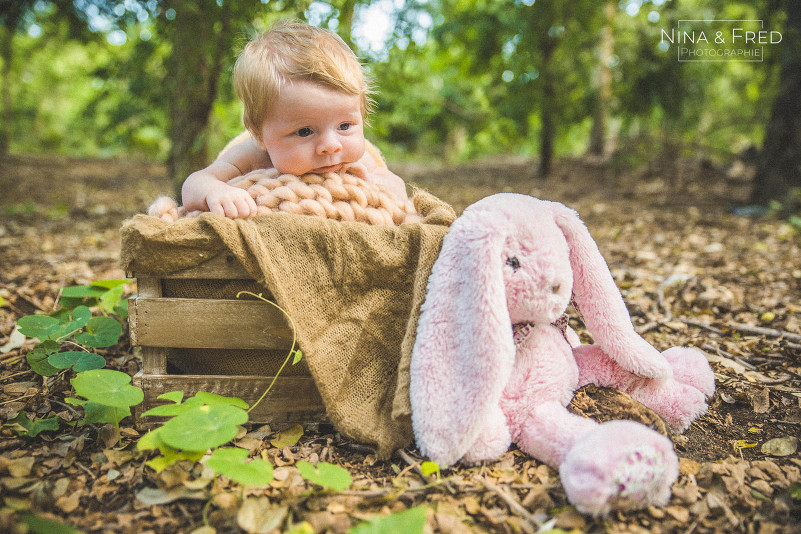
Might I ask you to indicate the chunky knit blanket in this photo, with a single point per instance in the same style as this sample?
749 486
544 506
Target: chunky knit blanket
342 197
353 290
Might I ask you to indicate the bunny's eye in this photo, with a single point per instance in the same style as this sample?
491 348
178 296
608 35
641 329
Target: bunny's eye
513 262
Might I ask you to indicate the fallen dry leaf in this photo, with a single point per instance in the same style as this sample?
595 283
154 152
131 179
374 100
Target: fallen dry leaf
20 467
258 516
288 437
780 446
118 458
71 502
155 496
679 513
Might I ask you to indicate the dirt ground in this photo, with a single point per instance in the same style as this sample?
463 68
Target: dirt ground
691 272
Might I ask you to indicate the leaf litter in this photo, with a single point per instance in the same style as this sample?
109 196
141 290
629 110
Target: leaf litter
691 274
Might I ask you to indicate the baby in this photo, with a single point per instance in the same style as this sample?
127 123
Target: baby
306 100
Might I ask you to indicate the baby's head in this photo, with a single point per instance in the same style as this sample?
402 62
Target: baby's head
295 52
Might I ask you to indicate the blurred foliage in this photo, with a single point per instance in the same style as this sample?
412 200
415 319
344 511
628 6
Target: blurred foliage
457 78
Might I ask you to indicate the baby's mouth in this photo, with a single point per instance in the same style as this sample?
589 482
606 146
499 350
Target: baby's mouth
328 168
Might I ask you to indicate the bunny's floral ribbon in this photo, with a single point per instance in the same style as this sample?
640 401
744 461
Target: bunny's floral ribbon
521 331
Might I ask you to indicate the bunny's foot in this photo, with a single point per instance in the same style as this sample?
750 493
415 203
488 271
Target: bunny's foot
691 367
621 465
681 400
679 403
493 440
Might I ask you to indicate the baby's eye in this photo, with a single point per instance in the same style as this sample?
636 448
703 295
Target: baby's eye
345 126
304 132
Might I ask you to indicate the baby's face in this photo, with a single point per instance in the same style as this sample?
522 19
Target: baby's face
312 128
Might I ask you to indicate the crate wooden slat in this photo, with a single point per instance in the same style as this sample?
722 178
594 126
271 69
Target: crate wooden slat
208 324
160 324
223 266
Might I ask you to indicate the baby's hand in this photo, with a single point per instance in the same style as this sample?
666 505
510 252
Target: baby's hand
229 201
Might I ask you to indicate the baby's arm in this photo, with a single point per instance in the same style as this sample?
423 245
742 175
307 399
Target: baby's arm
207 190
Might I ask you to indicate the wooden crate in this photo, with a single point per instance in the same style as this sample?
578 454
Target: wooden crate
167 326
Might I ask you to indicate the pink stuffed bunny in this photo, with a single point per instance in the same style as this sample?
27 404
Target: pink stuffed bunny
491 367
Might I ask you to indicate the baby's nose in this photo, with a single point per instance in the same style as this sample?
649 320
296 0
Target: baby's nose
329 144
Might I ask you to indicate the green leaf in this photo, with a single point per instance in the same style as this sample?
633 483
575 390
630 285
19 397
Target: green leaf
326 475
172 456
79 361
151 440
168 410
43 425
107 387
62 315
22 426
3 302
79 317
38 358
174 396
232 463
411 521
111 283
169 455
302 528
56 325
39 326
82 292
298 355
121 308
213 399
100 332
203 427
199 399
99 413
69 303
109 299
430 468
795 491
42 525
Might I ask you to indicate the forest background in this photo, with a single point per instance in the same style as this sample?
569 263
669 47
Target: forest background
456 80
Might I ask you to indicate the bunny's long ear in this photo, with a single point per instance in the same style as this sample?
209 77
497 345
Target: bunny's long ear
600 303
464 348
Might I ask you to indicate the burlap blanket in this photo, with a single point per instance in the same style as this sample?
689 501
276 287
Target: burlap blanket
353 291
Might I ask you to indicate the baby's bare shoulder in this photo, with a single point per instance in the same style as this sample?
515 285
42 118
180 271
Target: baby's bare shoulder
246 156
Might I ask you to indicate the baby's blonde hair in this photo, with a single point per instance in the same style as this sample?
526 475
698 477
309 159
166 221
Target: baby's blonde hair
295 51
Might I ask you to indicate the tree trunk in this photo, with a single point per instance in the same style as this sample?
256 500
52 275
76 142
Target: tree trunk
7 52
548 111
200 36
779 162
11 17
345 27
605 49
